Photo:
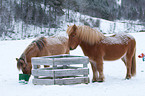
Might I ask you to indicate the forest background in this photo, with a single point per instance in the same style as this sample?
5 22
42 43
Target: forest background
21 19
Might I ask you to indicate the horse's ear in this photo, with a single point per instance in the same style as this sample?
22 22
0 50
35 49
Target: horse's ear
75 27
67 25
17 59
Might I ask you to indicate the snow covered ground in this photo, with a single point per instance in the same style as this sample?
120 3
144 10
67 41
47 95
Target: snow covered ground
114 85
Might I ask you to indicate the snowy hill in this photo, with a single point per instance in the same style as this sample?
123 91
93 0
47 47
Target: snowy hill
22 30
114 71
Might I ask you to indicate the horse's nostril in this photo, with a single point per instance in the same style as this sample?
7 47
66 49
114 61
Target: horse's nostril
71 48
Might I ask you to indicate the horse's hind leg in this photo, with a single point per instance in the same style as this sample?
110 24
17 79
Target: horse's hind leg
128 66
94 69
127 61
130 56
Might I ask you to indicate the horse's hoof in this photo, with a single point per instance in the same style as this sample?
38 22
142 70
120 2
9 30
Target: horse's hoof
128 77
93 81
100 80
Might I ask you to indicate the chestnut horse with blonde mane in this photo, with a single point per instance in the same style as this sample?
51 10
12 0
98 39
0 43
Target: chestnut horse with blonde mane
42 47
99 47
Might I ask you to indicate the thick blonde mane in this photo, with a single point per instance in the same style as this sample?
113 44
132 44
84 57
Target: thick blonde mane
86 34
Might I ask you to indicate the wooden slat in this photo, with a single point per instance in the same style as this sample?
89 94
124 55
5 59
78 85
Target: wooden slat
66 81
59 61
71 72
60 72
70 61
41 61
43 81
37 72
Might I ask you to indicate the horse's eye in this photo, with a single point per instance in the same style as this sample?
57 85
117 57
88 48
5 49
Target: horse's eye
73 35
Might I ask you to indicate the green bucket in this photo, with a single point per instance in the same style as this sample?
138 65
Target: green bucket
24 78
143 58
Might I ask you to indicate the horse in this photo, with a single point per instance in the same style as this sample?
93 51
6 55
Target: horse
42 47
99 48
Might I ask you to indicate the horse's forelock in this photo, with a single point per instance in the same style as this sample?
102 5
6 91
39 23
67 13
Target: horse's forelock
71 29
19 66
68 31
19 63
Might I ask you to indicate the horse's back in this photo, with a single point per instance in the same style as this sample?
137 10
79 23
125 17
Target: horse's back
56 40
57 45
116 46
120 39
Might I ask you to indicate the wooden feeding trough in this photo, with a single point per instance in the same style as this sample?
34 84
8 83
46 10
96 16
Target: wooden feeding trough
64 69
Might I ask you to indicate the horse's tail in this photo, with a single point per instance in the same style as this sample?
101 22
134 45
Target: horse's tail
133 68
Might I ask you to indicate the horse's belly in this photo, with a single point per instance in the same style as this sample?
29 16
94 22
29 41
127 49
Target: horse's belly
114 52
111 58
114 55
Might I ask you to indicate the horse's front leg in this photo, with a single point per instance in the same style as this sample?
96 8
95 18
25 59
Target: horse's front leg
94 69
99 64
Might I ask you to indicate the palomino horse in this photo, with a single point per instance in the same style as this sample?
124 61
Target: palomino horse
99 47
42 47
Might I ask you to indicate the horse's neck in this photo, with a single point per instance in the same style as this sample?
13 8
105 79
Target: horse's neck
85 47
30 54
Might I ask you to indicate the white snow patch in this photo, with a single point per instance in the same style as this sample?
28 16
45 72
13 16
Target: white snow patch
119 2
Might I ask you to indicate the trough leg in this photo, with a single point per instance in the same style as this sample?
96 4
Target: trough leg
35 67
85 65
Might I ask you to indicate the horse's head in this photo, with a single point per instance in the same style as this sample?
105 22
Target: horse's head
23 65
74 40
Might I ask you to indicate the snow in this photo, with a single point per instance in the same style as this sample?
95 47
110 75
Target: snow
118 2
114 71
